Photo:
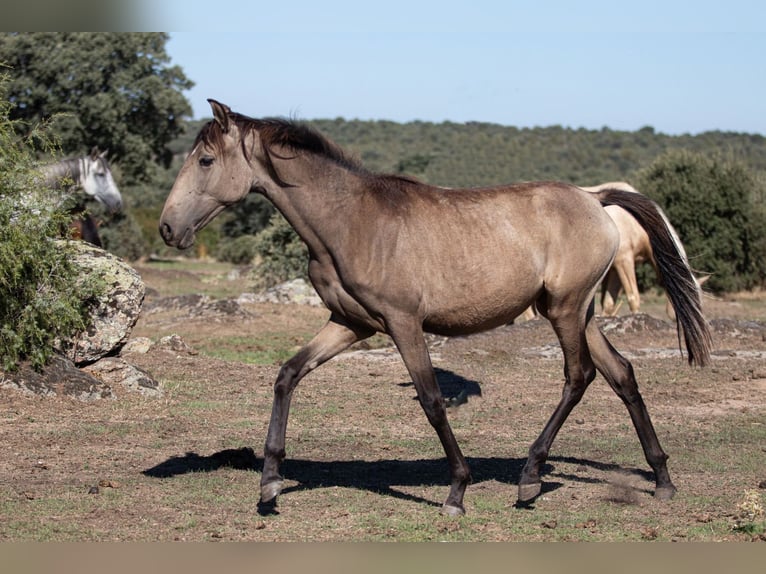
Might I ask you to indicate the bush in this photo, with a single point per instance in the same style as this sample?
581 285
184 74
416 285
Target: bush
280 254
711 203
42 296
239 250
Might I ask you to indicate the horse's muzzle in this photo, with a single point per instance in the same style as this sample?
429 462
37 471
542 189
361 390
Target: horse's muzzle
182 241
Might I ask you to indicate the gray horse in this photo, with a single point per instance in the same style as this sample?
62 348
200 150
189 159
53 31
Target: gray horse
92 175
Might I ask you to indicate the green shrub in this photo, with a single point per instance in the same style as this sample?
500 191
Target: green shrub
711 203
122 235
280 254
42 296
238 250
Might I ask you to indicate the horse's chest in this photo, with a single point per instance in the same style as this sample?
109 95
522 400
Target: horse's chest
337 298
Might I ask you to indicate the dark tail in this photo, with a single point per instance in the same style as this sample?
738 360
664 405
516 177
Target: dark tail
676 275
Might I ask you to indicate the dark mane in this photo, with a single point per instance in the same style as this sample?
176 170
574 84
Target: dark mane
278 132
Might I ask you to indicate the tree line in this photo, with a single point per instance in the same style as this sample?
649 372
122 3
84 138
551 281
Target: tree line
120 92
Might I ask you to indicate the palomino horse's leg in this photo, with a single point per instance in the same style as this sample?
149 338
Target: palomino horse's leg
412 347
579 372
626 269
610 293
619 374
334 337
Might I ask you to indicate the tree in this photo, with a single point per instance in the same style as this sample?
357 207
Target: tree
710 201
113 90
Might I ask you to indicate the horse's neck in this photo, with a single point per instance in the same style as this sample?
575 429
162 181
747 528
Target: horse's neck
322 199
68 169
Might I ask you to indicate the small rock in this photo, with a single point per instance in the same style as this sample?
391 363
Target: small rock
297 291
175 343
550 524
117 371
138 345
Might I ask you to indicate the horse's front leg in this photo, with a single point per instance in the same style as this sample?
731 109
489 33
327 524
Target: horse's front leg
334 337
579 372
409 340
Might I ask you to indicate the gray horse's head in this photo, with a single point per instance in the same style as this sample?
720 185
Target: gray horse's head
97 182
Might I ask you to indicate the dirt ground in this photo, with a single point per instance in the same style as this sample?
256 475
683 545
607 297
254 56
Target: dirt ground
363 463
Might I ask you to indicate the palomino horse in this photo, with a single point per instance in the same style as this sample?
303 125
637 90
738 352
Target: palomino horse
390 254
635 247
90 173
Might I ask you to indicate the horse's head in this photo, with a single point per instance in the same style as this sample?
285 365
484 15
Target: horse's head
97 181
216 173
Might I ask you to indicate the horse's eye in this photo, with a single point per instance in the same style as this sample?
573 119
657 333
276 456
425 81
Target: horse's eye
206 161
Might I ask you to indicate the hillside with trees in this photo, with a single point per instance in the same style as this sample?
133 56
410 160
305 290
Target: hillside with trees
120 92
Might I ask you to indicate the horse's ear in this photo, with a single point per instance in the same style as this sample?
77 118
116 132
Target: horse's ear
94 153
220 114
104 153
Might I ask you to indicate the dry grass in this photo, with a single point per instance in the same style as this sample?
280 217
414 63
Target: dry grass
363 463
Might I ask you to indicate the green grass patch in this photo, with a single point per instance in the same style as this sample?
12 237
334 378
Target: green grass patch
271 348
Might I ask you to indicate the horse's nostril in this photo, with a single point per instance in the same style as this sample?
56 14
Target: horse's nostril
166 232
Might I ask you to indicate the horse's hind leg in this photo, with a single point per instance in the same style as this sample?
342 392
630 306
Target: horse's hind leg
610 293
579 372
626 270
618 372
334 337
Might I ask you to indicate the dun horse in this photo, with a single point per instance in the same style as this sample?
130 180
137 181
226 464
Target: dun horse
390 254
90 173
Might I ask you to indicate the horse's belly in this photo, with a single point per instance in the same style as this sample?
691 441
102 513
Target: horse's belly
478 309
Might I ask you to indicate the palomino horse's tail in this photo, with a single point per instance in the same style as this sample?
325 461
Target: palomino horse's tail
676 275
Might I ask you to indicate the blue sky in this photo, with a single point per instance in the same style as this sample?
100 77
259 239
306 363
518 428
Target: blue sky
684 66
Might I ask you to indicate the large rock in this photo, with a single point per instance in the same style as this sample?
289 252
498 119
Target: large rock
115 313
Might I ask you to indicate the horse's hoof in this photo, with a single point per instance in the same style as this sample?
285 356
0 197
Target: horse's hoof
271 490
452 510
529 491
665 492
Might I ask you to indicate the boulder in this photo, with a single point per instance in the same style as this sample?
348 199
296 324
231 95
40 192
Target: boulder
114 314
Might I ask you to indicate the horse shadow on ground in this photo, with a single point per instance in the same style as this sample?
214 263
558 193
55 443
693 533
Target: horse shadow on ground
385 475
